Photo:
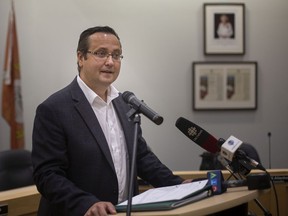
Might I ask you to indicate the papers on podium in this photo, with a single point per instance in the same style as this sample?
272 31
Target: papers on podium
170 197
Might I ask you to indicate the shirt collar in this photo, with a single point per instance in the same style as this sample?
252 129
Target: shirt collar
92 96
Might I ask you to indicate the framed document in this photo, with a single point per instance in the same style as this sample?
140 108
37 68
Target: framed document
224 85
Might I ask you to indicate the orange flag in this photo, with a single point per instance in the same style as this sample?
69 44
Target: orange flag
12 109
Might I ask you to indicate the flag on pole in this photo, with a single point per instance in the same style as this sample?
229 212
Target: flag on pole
12 109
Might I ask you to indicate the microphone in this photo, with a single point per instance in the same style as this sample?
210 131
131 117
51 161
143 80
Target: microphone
211 144
231 150
198 135
244 158
140 106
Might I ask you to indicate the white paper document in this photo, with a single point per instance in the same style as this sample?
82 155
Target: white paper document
161 194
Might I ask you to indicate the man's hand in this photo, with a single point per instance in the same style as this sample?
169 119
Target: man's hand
101 209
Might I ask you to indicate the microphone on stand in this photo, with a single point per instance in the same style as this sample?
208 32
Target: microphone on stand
211 144
139 105
229 149
269 144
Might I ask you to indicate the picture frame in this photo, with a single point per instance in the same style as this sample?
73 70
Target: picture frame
224 28
224 85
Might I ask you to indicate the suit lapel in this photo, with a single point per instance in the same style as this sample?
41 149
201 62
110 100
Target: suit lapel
84 109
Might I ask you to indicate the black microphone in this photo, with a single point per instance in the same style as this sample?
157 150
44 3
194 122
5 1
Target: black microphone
198 135
140 106
244 158
209 142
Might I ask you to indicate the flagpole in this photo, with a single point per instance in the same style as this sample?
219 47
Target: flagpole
12 108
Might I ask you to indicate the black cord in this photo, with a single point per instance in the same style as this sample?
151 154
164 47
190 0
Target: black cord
275 192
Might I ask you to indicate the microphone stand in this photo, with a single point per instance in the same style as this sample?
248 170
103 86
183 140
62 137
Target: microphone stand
133 115
266 212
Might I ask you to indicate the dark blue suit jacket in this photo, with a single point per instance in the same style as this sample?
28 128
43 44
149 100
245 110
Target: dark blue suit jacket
73 167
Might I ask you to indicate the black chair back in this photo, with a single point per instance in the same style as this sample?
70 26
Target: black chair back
15 169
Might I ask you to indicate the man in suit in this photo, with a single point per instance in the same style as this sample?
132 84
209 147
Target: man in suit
82 139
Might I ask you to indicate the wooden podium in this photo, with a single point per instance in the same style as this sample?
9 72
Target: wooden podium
232 198
25 201
21 201
280 177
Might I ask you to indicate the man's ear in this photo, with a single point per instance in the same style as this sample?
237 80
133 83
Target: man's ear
80 58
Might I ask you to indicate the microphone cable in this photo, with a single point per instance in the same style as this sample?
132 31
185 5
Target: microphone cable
275 192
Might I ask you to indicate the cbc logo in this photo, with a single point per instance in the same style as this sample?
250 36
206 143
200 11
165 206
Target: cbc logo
192 131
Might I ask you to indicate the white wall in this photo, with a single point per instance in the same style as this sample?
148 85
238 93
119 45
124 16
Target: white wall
161 39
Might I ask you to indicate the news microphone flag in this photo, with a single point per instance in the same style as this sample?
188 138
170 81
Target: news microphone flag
215 179
229 147
12 108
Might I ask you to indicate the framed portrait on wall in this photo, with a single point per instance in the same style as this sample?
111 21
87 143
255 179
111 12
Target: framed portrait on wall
224 28
224 85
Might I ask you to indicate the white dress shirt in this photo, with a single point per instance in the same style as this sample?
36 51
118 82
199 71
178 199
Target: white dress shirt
113 132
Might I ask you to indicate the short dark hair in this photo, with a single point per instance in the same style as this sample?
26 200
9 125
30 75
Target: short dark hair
83 43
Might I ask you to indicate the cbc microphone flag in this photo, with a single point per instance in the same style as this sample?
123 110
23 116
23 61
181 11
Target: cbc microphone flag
12 109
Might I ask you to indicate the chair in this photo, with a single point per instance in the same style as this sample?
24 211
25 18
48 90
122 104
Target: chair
15 169
250 151
210 162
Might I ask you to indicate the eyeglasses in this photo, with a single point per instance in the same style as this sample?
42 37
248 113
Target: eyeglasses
101 54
